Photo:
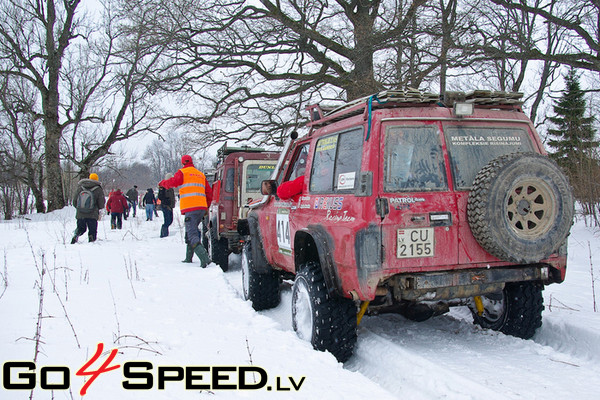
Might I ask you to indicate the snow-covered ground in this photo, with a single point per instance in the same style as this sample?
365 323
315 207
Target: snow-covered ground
130 292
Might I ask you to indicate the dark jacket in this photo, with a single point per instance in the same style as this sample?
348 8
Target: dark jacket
117 203
96 188
132 195
149 198
170 193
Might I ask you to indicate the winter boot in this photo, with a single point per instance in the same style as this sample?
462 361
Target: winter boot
189 254
74 239
200 251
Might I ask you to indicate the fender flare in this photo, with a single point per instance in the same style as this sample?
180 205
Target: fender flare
317 245
259 259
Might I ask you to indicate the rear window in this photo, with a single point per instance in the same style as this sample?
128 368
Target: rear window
255 174
471 148
414 160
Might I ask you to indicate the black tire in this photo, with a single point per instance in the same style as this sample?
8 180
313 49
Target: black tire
204 233
258 255
261 289
327 321
516 311
218 250
521 207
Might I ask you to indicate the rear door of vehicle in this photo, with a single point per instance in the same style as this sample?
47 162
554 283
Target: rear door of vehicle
471 145
415 202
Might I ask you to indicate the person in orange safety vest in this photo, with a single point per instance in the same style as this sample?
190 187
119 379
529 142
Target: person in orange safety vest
195 195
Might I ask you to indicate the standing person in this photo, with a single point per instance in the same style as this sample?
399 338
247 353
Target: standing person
195 195
149 202
88 200
132 197
116 205
167 201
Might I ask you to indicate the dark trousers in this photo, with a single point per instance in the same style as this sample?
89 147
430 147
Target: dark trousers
133 206
89 224
192 221
116 220
168 220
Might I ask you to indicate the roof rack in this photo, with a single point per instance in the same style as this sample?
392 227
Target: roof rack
225 151
397 98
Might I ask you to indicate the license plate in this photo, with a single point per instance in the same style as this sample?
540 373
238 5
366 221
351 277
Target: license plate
414 243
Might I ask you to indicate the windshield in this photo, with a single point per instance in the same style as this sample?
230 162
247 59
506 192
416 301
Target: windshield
255 174
471 148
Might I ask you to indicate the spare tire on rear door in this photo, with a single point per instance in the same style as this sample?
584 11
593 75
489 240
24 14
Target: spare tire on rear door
521 207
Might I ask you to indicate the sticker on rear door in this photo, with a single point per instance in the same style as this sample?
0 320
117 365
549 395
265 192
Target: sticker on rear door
414 243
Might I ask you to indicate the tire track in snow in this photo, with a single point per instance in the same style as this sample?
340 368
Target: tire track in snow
448 357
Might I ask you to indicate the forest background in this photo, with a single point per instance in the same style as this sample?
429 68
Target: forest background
124 88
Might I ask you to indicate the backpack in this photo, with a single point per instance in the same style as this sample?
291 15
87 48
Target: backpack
86 203
162 196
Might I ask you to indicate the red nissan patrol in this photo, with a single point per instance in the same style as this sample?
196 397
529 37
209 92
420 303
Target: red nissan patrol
411 203
237 181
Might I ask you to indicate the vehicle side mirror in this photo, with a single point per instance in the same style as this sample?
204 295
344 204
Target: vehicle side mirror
268 187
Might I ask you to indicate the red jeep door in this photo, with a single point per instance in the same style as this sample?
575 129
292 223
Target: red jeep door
418 209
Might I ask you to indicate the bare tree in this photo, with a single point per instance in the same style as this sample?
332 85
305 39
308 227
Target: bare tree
577 22
253 67
21 153
35 37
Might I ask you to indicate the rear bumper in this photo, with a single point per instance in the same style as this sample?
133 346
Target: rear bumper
456 284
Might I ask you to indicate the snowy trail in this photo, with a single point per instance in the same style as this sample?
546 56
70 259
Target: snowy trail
450 355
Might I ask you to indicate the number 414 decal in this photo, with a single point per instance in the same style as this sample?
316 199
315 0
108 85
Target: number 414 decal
283 231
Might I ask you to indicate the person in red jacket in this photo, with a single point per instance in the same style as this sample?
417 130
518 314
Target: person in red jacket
116 205
195 194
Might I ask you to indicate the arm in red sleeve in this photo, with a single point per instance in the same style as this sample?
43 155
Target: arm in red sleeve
289 189
176 180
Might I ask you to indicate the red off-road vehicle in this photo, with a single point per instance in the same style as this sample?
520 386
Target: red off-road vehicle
411 203
237 180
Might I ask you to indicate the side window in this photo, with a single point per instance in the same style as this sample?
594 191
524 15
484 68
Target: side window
299 163
413 159
336 162
229 180
349 159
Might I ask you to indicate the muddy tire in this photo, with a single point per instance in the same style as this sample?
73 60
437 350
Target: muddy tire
516 311
521 207
327 321
218 249
261 289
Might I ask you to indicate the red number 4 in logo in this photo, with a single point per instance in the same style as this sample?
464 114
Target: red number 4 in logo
103 368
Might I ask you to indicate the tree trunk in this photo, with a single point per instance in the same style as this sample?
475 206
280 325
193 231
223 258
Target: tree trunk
362 79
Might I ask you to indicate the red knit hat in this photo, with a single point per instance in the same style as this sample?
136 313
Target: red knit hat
185 160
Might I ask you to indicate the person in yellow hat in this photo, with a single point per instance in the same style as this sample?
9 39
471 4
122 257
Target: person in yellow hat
88 201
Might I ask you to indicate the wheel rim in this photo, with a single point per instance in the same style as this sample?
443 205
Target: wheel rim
302 312
530 208
493 309
245 275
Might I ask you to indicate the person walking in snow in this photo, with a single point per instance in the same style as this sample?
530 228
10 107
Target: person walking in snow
149 202
195 194
167 202
116 205
132 198
88 201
